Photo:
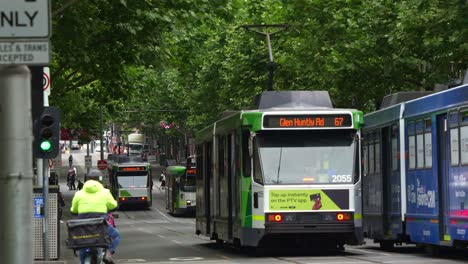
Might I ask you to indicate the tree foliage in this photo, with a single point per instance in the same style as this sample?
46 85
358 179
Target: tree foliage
186 61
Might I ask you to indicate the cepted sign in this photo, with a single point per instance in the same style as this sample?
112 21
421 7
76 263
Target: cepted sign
25 53
307 121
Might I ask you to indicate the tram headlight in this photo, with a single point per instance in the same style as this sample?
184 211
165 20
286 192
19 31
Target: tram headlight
343 216
275 218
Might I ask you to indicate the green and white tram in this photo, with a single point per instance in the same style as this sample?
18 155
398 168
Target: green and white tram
180 189
287 171
130 183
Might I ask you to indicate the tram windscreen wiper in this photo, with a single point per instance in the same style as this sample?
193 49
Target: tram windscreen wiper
279 165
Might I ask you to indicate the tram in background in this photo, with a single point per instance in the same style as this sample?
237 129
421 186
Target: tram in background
287 171
180 188
415 173
131 183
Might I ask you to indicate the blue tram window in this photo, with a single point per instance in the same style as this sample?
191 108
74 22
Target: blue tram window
419 126
464 117
427 125
453 119
411 145
411 129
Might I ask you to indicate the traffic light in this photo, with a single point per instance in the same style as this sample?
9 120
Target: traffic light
47 134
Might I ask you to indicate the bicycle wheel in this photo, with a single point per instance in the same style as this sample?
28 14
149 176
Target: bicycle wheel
91 259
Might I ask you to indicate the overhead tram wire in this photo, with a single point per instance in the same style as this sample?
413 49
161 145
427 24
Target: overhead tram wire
256 29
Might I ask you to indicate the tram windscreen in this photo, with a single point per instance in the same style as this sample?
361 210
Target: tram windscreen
136 147
307 157
134 179
187 182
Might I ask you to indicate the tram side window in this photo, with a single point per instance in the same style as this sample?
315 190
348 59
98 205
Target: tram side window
371 154
365 157
411 146
377 152
221 149
464 137
427 143
454 140
246 167
257 167
394 147
419 144
356 165
200 161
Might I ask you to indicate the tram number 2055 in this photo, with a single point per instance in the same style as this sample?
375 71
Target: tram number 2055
341 178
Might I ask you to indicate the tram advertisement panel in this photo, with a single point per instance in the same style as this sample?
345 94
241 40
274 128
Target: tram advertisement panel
295 200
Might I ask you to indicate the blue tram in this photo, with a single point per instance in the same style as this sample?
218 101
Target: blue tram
415 170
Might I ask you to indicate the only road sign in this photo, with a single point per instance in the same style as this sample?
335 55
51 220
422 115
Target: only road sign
24 19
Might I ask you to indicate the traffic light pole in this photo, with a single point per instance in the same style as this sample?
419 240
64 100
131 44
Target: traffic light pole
16 173
45 223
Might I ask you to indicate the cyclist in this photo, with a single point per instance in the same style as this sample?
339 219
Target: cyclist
96 201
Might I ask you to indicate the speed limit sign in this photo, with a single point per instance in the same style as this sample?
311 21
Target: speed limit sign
46 80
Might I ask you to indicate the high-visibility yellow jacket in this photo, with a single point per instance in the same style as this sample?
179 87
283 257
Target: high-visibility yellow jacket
93 198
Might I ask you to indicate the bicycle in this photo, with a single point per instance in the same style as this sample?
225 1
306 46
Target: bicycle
90 238
94 255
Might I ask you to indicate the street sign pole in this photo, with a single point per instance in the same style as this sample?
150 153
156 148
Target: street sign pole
45 194
16 174
25 31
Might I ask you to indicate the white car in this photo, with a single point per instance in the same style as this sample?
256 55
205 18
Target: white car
75 145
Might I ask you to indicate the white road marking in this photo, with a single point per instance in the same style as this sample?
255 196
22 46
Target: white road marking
367 251
177 242
187 258
163 214
161 236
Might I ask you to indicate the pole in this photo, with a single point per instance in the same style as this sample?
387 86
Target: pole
45 222
87 155
45 194
271 63
100 132
16 173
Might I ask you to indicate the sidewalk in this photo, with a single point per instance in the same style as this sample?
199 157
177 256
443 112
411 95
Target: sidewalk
65 255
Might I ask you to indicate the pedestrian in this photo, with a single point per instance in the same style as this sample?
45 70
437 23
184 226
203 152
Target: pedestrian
72 181
70 160
80 185
69 180
162 179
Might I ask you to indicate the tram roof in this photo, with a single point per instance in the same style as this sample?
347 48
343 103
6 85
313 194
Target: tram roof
175 170
131 163
432 102
449 98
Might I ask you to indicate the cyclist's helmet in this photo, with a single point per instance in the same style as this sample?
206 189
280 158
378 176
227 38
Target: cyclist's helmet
94 175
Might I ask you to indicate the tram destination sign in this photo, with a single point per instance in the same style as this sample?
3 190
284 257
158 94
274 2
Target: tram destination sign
25 19
307 121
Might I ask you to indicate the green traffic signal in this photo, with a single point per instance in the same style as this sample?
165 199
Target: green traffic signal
47 133
46 145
